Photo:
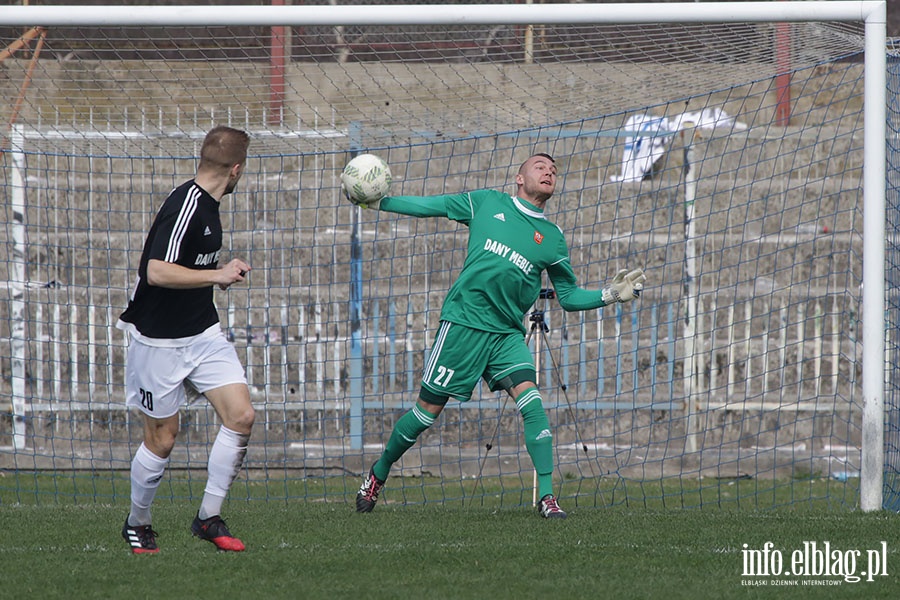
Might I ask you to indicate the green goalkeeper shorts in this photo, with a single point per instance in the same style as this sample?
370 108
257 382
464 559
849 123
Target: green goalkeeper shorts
460 355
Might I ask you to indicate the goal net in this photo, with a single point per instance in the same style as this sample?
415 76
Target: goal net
724 150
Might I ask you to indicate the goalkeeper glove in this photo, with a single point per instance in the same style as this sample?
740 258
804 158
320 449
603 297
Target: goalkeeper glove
374 204
626 285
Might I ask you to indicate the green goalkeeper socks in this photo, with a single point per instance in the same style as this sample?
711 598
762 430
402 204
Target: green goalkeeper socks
405 433
538 438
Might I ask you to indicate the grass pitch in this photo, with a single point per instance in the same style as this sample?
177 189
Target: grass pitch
305 549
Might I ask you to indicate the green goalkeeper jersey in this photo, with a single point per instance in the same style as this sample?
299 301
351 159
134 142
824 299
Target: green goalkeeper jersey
511 243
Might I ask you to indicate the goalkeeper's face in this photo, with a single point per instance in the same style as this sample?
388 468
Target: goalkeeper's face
536 179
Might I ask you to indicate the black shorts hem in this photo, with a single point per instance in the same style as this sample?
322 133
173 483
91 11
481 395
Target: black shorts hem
514 379
432 398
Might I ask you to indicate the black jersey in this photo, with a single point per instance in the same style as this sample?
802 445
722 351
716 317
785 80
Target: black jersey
187 231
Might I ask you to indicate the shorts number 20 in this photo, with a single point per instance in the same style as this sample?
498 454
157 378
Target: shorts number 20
146 399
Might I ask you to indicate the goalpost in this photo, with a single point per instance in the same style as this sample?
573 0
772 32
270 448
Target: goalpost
736 150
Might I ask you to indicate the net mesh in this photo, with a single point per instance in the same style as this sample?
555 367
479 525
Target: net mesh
682 148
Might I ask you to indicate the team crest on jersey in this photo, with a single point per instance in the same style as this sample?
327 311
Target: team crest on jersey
538 238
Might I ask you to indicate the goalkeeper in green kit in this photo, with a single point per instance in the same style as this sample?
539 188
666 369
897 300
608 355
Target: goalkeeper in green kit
482 328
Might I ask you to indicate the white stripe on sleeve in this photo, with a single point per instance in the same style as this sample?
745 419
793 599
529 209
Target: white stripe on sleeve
188 208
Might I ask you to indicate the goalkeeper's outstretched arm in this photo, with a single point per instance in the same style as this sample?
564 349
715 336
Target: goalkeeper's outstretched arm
415 206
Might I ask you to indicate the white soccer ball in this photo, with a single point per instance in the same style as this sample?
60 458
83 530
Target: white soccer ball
366 179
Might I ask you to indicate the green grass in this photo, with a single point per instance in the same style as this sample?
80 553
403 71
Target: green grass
315 549
79 487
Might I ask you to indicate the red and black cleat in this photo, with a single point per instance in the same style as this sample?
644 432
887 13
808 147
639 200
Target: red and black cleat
214 530
549 508
368 492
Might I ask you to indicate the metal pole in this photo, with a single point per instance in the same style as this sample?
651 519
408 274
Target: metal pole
17 287
874 208
690 284
356 358
356 354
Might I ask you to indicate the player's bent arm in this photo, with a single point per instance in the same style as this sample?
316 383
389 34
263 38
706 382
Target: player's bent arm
570 296
169 275
580 299
624 287
415 206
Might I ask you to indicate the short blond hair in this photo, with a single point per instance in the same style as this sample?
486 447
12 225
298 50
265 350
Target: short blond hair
223 147
540 154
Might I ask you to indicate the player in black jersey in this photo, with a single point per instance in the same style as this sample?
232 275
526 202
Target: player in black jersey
176 339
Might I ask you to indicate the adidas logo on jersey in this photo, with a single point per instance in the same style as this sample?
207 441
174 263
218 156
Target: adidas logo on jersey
500 217
207 231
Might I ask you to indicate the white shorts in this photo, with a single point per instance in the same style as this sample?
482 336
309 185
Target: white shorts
155 376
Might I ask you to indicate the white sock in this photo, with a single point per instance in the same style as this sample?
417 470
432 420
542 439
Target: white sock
225 460
146 472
